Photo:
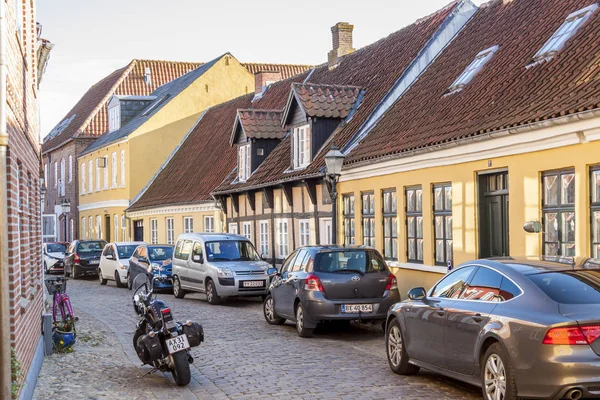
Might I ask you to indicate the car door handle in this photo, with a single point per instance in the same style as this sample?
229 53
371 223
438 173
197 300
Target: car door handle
477 317
441 312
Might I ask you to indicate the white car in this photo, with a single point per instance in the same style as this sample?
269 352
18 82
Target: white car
54 255
114 262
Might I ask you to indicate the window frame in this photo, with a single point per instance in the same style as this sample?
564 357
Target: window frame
594 207
304 236
170 229
560 208
247 230
153 231
370 217
349 219
83 178
301 146
232 225
114 172
244 161
90 176
283 247
122 168
210 224
84 232
105 182
188 224
387 215
70 168
444 213
116 227
264 237
469 73
415 214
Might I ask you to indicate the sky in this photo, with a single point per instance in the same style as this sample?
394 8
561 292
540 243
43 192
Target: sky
92 38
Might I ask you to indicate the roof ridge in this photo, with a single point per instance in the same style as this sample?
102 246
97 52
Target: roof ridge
280 64
259 110
167 61
433 14
327 84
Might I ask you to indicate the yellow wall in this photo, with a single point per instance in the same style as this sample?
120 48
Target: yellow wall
84 230
198 223
409 279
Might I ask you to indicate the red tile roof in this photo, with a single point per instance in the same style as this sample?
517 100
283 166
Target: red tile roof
504 93
89 117
376 68
260 124
326 101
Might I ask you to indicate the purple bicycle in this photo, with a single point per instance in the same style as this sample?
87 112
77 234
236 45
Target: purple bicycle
62 312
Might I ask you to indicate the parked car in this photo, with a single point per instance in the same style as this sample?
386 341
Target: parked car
331 283
515 327
82 257
114 263
151 260
54 255
218 264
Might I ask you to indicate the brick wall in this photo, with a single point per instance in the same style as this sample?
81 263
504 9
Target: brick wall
23 183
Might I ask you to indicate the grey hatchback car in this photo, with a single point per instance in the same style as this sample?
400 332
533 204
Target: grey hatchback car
517 328
328 283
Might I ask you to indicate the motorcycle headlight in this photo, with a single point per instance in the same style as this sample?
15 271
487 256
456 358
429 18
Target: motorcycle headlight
224 272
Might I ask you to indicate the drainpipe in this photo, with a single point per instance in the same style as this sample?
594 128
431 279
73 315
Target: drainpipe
5 376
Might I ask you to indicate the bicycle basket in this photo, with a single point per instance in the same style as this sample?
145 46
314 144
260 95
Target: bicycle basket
56 285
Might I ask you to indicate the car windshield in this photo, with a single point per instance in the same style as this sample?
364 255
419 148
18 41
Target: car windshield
570 287
231 250
90 247
160 253
361 261
55 248
126 251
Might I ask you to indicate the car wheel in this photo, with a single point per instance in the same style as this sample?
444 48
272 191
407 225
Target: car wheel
45 267
74 272
303 331
129 282
269 312
178 292
118 280
211 293
396 352
497 379
100 277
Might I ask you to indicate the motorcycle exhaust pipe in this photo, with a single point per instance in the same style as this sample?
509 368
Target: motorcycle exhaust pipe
191 361
573 394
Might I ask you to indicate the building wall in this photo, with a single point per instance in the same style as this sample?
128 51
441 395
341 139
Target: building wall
23 185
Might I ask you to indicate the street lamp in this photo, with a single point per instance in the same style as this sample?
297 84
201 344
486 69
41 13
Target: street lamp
334 160
65 208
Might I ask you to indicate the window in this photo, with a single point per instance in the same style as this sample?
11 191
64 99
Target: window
169 222
232 228
300 261
99 227
122 167
183 249
485 286
390 225
114 170
105 186
573 22
570 287
452 284
153 231
595 210
116 228
442 220
46 174
55 174
114 118
83 229
368 219
18 16
90 177
472 69
91 227
301 146
244 166
197 251
123 228
282 238
304 230
414 224
97 174
247 230
82 178
558 209
264 237
70 168
209 224
188 224
61 182
349 237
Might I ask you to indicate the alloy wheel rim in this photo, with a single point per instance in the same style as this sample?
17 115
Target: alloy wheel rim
269 309
395 346
495 378
299 319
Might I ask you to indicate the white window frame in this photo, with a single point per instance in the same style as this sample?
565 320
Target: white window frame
99 226
19 17
170 227
114 118
105 186
304 232
83 178
244 166
232 228
153 231
84 232
90 177
124 228
97 174
283 238
55 174
70 168
247 230
46 174
209 224
566 31
49 236
116 228
61 182
264 237
114 169
91 227
472 69
71 230
123 168
301 146
188 224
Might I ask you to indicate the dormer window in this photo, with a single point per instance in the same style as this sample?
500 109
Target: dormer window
301 146
573 22
114 117
244 166
469 73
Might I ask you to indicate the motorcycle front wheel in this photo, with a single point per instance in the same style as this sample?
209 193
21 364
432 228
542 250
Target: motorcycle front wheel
181 372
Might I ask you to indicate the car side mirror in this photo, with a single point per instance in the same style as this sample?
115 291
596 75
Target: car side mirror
272 271
263 256
417 294
197 258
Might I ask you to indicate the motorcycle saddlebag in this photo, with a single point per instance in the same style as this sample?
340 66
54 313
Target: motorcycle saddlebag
194 333
148 349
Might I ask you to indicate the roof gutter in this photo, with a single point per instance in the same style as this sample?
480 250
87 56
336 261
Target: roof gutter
265 185
5 370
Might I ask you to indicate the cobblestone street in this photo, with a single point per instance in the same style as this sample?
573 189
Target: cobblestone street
242 357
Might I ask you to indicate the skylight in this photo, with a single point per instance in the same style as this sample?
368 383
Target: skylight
573 22
476 65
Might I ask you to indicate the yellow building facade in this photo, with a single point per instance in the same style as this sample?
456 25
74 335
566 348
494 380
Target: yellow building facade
544 172
113 174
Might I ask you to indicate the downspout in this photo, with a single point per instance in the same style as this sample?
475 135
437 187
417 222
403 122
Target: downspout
5 370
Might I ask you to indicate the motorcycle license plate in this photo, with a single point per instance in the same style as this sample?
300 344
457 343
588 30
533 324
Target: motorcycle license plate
178 343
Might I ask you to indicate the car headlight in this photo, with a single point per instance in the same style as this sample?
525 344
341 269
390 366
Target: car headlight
122 266
224 272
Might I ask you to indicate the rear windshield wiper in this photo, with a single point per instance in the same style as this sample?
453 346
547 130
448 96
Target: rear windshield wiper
358 271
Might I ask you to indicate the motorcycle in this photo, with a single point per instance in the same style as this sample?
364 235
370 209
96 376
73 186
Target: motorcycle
159 340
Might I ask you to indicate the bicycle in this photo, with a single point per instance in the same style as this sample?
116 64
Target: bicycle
61 305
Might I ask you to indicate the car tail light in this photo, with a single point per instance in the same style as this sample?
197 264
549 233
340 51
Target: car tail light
591 332
76 258
392 283
313 283
571 335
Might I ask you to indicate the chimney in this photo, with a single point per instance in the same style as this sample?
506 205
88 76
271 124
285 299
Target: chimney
262 79
148 76
341 34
